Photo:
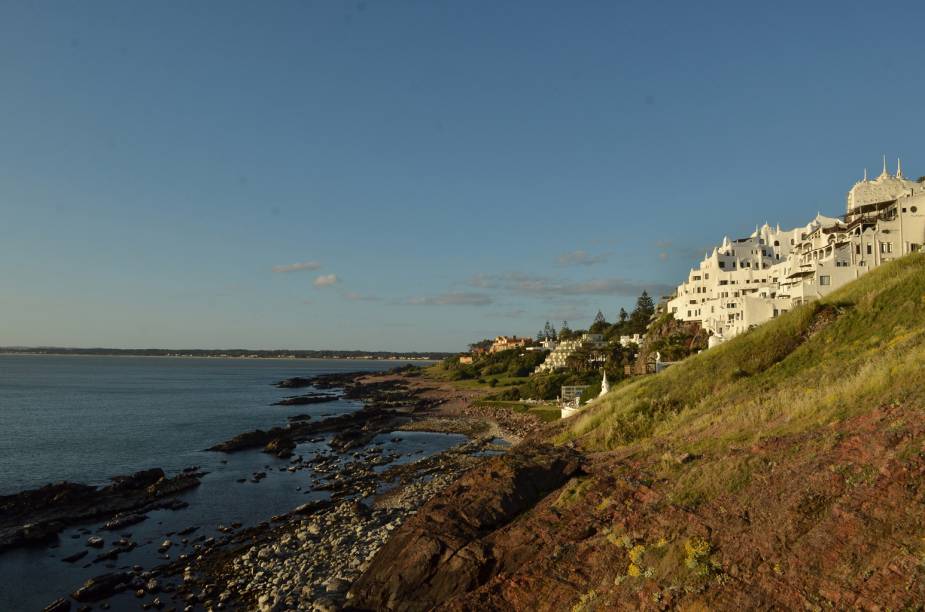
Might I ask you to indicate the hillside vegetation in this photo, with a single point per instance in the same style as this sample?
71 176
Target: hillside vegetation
861 347
784 469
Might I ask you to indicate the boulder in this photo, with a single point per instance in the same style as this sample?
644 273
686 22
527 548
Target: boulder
296 382
124 520
281 447
61 604
95 542
138 480
302 400
101 587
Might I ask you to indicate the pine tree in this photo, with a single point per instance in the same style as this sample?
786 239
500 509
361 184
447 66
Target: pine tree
549 331
644 310
623 316
645 304
599 317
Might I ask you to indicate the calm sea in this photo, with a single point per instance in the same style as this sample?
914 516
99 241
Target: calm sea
86 419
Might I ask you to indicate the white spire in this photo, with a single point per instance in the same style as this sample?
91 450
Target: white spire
865 175
899 168
884 174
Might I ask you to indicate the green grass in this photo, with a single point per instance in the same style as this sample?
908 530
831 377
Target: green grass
546 412
439 373
786 376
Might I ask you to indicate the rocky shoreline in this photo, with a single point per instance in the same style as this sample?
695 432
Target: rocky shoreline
37 516
309 557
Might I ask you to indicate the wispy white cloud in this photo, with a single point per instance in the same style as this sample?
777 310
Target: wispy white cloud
295 267
568 313
481 281
326 280
455 298
545 287
517 313
353 296
669 250
580 258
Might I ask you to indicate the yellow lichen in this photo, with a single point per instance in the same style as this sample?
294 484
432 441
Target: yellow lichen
698 554
636 553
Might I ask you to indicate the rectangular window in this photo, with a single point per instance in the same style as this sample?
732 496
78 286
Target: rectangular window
870 249
722 264
825 280
857 249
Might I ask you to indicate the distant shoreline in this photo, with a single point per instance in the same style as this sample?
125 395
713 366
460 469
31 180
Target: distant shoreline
231 354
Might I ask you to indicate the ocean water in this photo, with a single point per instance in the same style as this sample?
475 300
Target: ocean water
86 419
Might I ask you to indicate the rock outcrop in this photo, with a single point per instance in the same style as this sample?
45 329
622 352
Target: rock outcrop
443 551
37 516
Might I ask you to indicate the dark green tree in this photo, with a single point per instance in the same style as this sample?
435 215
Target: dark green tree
600 324
549 331
639 319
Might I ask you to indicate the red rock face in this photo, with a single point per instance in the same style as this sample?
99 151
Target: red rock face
834 518
444 552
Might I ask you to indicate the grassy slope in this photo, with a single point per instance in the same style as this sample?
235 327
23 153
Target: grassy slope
783 377
783 468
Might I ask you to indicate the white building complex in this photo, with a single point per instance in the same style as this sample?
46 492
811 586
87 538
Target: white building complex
558 358
748 281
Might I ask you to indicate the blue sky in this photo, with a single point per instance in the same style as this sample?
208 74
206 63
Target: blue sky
442 171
